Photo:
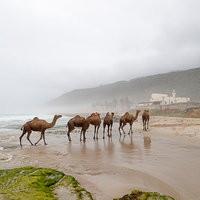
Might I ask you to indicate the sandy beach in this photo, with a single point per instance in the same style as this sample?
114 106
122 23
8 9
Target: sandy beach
164 159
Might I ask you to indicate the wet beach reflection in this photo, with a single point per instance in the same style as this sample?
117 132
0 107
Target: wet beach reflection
115 159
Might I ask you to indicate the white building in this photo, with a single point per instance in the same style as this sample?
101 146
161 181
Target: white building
165 99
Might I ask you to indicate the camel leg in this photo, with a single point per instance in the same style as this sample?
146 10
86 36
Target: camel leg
20 139
148 124
43 134
39 139
28 136
111 130
104 125
108 130
94 132
80 134
122 127
131 130
120 124
84 136
145 125
68 134
69 138
97 132
70 129
119 130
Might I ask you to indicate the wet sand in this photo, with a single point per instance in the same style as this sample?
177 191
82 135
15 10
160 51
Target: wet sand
164 159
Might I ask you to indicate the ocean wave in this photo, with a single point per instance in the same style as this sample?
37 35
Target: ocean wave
25 118
8 118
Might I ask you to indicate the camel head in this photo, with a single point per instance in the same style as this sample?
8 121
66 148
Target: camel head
146 111
57 116
97 114
112 113
138 111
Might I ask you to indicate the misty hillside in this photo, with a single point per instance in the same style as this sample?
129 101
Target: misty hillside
186 84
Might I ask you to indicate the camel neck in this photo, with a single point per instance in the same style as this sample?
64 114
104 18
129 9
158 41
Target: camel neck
53 122
136 116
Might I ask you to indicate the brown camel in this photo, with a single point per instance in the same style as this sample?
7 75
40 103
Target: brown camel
108 120
145 119
95 120
127 118
76 121
37 125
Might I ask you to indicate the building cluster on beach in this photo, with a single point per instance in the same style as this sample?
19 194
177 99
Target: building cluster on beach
163 101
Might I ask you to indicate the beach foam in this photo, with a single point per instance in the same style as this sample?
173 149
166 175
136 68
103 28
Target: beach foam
5 157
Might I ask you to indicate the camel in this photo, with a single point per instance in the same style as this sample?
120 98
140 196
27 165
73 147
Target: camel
127 118
37 125
145 119
108 120
95 120
76 121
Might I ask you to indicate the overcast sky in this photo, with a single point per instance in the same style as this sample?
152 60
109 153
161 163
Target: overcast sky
50 47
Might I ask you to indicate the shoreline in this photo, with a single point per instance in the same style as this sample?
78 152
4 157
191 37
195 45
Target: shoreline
115 166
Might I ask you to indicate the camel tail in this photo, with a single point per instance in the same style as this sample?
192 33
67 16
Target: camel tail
22 127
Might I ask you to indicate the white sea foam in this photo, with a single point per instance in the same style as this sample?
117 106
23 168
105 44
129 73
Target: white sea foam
5 157
10 125
10 118
11 138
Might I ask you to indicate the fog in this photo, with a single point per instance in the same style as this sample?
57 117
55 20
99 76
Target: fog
48 48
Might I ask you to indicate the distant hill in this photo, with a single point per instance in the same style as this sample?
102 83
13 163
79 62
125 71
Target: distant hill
186 84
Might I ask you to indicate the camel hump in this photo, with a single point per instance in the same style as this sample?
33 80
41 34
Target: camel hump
35 118
92 114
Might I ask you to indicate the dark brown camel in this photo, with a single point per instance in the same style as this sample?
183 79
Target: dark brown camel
108 120
95 120
127 118
76 121
37 125
145 119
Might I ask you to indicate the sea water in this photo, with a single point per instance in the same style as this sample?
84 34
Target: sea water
10 130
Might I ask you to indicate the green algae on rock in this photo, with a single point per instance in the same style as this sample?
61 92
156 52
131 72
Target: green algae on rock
139 195
37 183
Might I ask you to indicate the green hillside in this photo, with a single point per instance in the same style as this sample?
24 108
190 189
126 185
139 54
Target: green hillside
186 84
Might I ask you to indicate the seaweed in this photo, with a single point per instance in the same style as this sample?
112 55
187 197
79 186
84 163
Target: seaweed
140 195
37 183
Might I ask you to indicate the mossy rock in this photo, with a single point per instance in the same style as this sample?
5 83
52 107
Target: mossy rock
37 183
139 195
